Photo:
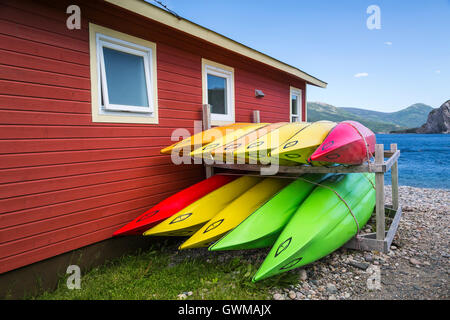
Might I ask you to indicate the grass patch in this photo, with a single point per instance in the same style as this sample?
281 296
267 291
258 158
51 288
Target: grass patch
162 272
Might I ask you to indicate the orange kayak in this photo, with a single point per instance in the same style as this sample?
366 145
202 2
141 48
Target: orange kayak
228 150
200 139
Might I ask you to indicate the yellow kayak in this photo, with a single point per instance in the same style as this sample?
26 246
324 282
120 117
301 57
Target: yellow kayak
202 138
237 211
194 216
258 150
227 151
300 146
207 151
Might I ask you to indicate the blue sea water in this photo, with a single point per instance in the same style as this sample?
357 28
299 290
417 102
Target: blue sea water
423 159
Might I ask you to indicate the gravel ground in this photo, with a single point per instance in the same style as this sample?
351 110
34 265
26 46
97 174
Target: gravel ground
416 267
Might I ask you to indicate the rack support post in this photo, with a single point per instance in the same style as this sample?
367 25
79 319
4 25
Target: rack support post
256 118
394 179
379 186
206 108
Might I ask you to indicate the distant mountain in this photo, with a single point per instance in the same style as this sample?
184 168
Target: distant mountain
410 117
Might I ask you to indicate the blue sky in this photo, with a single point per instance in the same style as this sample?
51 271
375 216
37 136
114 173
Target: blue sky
405 62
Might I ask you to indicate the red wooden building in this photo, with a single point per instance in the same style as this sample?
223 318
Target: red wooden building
84 113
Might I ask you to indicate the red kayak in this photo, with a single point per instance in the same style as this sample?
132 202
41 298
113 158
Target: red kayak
173 204
346 144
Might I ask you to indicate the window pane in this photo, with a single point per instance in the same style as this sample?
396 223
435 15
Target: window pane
217 94
125 75
294 99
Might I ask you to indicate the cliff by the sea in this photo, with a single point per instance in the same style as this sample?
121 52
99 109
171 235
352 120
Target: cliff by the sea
438 121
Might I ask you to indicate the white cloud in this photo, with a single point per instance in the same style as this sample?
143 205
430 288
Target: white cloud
388 43
361 74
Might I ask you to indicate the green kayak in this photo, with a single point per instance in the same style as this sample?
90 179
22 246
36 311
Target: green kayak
262 228
322 223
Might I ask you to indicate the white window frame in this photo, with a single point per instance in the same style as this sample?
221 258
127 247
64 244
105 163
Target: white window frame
219 70
299 115
130 48
104 37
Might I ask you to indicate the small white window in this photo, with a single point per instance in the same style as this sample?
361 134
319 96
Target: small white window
296 105
123 77
218 91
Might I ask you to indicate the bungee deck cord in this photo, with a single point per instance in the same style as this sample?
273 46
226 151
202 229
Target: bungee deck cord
339 196
368 153
358 229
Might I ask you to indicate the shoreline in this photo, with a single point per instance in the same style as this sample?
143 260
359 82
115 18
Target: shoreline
414 187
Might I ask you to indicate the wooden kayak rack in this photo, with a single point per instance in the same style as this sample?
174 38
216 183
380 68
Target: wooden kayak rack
377 241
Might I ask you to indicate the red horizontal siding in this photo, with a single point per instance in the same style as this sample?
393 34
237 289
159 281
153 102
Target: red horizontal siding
36 15
35 34
43 77
14 44
70 219
47 185
92 197
64 157
32 61
66 182
55 248
19 88
97 131
41 104
46 145
64 170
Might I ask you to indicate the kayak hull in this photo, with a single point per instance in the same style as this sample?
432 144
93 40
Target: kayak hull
300 146
235 212
262 228
207 151
258 151
322 223
202 138
194 216
227 152
348 143
172 205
